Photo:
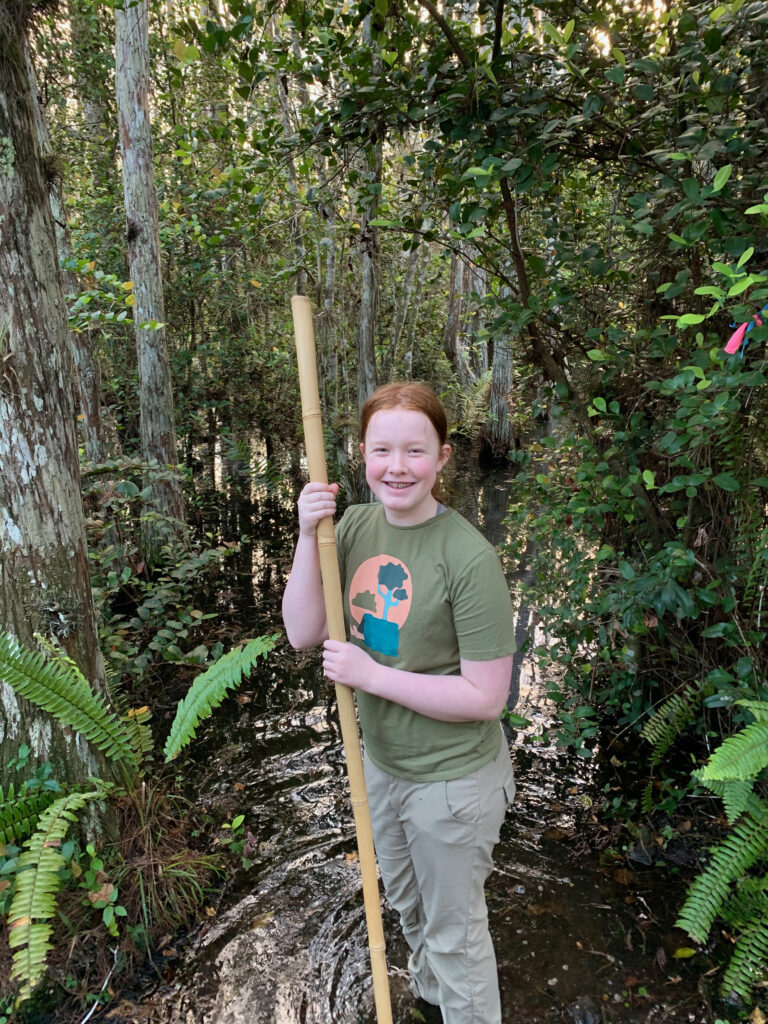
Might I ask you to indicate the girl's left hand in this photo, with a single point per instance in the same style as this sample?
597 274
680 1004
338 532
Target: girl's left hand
347 664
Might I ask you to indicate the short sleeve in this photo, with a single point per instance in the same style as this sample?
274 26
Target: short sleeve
339 532
482 609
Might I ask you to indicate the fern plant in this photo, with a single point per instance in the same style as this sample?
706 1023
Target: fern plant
57 686
37 883
669 720
210 688
665 725
734 886
20 810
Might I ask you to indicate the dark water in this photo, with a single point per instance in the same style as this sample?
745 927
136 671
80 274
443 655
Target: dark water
577 940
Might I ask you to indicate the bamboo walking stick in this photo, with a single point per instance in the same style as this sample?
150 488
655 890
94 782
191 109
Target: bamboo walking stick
329 567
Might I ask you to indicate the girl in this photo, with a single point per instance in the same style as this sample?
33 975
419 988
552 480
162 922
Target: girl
430 649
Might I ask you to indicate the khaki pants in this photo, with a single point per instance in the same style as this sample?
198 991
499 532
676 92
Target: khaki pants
434 842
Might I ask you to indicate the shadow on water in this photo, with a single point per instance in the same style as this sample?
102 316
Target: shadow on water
287 943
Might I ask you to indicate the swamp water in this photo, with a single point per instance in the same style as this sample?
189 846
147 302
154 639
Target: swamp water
285 941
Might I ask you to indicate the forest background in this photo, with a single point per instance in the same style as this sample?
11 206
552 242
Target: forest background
549 212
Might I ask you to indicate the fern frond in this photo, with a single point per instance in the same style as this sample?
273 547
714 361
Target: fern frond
473 404
57 655
742 756
744 847
749 958
20 811
37 882
757 708
749 899
56 689
737 796
669 720
138 731
210 688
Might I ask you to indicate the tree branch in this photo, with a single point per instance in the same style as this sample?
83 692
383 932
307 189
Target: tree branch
497 29
448 32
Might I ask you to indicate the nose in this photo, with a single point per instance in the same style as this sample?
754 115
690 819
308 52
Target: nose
396 463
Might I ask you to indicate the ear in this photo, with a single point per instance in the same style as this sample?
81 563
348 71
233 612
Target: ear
362 450
445 454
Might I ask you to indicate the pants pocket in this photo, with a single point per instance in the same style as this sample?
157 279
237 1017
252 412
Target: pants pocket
462 797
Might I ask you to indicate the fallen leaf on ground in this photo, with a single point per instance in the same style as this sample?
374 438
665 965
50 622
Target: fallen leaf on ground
623 876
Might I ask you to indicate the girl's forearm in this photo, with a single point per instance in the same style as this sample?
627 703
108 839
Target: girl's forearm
479 696
303 598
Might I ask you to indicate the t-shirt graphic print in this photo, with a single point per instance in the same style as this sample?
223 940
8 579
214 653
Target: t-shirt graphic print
380 597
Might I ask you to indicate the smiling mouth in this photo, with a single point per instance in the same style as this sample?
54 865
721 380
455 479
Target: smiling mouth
398 487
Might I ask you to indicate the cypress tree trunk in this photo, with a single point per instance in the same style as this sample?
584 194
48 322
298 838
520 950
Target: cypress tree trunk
453 343
369 285
87 372
498 437
44 572
158 432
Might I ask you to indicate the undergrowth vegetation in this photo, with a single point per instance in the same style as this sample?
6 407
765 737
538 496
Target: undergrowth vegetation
144 880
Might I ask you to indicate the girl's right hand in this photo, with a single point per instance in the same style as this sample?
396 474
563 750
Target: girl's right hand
316 501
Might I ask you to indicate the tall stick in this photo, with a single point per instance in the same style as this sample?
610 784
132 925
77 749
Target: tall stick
329 568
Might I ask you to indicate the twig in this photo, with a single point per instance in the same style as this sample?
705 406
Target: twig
93 1009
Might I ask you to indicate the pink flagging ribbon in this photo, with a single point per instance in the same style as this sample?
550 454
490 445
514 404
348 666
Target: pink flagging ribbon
734 342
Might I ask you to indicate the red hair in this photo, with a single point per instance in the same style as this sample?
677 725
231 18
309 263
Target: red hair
406 394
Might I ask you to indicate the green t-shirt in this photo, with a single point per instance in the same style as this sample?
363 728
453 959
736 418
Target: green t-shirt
421 598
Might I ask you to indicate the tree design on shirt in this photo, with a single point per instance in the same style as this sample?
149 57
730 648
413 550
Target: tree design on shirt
378 633
391 579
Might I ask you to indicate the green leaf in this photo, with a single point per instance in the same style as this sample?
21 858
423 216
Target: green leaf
516 720
722 177
740 286
649 479
745 256
618 54
599 403
689 319
595 354
568 30
726 481
644 92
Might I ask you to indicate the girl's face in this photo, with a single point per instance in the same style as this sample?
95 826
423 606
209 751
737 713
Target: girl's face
403 456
